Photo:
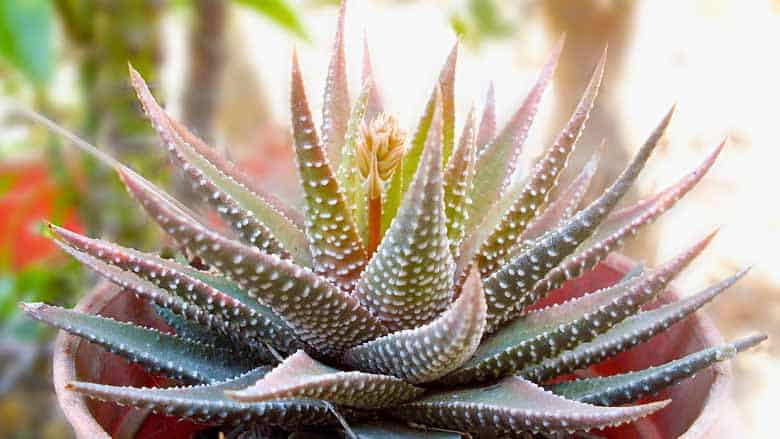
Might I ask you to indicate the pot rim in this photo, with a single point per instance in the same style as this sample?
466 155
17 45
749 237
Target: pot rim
85 425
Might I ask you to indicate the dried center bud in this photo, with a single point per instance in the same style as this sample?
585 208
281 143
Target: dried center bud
379 151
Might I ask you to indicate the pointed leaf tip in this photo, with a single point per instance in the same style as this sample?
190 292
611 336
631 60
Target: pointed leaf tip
334 240
415 248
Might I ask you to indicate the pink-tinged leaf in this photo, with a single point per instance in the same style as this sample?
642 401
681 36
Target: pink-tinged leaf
325 318
209 404
626 334
348 174
543 179
375 101
632 386
447 87
515 405
497 162
564 206
244 316
431 351
271 210
247 213
402 179
407 282
300 376
335 104
487 124
547 332
152 349
334 239
620 226
507 290
458 178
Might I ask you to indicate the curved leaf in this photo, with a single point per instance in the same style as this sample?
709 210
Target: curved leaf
299 376
209 404
514 405
248 213
547 332
201 293
155 350
426 353
324 317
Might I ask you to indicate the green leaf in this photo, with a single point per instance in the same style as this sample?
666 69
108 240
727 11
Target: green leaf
619 226
403 178
413 265
458 179
279 12
348 174
545 333
497 161
507 290
26 37
565 205
543 179
334 240
156 351
335 105
487 124
627 334
428 352
300 376
200 295
254 219
328 319
514 405
632 386
209 404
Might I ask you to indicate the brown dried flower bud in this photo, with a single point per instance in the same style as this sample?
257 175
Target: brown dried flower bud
379 151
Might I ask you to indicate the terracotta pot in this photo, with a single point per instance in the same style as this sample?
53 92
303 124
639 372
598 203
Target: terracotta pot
702 406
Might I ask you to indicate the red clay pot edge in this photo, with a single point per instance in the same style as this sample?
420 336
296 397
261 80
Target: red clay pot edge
710 423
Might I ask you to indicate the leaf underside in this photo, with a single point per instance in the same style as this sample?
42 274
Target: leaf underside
155 350
428 352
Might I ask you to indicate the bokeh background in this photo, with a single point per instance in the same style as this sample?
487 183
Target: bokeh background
223 66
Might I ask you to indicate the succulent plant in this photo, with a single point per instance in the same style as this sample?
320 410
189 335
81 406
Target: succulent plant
403 299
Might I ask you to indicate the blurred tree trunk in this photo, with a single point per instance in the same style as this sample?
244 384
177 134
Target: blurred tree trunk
591 25
207 57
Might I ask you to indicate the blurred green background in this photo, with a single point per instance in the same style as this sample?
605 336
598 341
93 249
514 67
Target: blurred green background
221 66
